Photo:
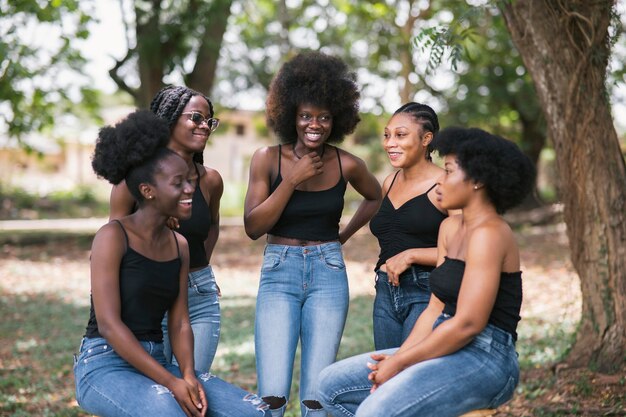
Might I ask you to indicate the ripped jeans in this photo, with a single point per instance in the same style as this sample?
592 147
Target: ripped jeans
303 296
108 386
482 374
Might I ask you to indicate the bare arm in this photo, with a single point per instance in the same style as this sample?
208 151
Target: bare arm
262 209
477 296
107 251
121 201
366 184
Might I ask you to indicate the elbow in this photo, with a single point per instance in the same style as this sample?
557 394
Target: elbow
252 233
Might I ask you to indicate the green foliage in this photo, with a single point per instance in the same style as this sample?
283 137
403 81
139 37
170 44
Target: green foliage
454 36
40 67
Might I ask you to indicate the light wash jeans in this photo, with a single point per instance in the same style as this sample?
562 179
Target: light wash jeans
108 386
204 315
396 309
483 374
303 294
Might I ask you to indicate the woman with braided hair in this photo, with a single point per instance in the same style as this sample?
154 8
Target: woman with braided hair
296 196
460 355
189 117
406 225
138 273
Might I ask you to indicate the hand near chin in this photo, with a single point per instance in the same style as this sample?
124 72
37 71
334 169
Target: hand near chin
306 167
172 223
189 394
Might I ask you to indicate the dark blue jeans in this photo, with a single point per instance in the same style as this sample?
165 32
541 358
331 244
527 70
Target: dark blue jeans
396 309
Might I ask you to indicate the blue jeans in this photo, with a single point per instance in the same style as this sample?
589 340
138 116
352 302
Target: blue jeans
204 315
396 309
303 294
107 385
483 374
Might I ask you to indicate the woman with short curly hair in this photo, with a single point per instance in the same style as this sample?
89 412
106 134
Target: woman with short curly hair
296 196
138 273
190 120
460 355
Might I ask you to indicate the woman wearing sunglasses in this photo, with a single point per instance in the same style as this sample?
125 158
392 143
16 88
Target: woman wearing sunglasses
189 116
138 272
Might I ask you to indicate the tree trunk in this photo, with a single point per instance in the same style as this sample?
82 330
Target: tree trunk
203 75
565 46
149 51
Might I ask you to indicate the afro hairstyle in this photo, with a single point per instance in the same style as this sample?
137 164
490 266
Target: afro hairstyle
507 174
318 79
131 150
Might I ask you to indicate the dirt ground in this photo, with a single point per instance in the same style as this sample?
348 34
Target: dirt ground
551 301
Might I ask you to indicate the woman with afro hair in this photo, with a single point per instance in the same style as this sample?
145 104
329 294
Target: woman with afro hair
189 118
296 196
460 355
138 273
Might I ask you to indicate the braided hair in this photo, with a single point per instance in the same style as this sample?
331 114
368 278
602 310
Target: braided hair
169 103
131 150
425 116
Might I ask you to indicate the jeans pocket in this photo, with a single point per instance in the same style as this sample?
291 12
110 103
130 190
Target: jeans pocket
203 283
271 261
423 281
334 260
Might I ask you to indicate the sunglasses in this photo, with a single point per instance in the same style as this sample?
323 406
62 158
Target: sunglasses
198 118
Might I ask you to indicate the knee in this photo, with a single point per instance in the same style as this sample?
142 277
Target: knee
275 403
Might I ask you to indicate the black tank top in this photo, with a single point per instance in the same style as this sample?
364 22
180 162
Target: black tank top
311 215
148 288
415 224
445 283
196 228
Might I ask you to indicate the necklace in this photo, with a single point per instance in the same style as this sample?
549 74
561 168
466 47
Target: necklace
293 149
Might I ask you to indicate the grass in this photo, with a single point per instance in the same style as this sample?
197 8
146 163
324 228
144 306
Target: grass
36 375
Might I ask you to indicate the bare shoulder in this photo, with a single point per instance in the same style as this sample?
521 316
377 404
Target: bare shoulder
493 237
211 178
451 224
350 163
387 181
109 237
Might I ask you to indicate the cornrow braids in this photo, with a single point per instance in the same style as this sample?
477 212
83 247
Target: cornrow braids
424 115
169 103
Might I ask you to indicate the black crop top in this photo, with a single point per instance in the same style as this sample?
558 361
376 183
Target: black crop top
445 283
311 215
148 288
415 224
196 228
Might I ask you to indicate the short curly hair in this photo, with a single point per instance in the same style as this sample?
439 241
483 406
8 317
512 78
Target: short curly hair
318 79
132 150
170 102
506 173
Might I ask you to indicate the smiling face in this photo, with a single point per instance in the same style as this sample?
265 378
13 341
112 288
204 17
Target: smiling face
313 125
454 189
171 188
188 137
405 141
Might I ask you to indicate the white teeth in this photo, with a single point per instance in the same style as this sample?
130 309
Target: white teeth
187 201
